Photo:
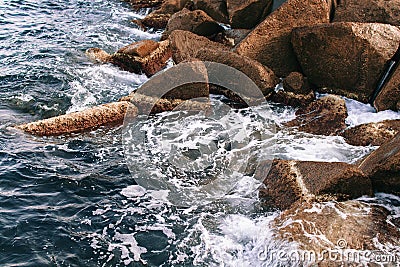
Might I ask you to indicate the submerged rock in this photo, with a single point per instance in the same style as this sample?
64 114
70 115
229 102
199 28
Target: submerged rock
196 21
374 133
383 167
269 43
185 45
338 233
89 119
289 181
245 14
214 8
381 11
325 116
262 76
345 58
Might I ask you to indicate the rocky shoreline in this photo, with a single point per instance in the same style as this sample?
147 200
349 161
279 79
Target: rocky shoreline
337 47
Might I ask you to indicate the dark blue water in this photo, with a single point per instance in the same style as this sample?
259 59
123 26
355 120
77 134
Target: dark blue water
70 200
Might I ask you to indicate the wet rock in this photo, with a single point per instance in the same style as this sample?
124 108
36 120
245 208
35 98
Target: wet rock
141 48
339 228
345 58
269 43
380 11
185 45
296 83
154 56
375 133
236 35
325 116
107 114
196 21
214 8
383 167
139 4
289 181
246 14
389 96
263 77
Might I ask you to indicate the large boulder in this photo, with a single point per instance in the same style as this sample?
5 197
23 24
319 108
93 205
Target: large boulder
345 58
185 45
383 167
289 181
381 11
325 116
141 48
214 8
246 14
374 133
262 76
389 96
196 21
296 91
350 233
269 43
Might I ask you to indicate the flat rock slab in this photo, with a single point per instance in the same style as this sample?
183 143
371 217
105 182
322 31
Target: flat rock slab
269 43
345 58
325 116
289 181
383 167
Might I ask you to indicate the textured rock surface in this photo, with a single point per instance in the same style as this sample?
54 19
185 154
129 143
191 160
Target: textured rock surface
375 133
289 181
325 116
382 11
196 21
383 167
185 45
345 58
214 8
390 93
269 43
263 77
138 4
157 59
350 225
107 114
141 48
245 14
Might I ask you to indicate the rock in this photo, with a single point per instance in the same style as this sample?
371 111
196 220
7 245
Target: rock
156 60
141 48
139 4
389 96
151 105
375 133
289 181
325 116
345 58
246 14
185 45
263 77
381 11
295 82
336 230
196 21
214 8
98 55
292 99
269 43
383 167
107 114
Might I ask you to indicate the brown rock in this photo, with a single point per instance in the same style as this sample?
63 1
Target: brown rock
185 45
390 93
289 181
214 8
325 116
107 114
269 43
196 21
139 4
295 82
345 58
156 60
380 11
383 167
154 20
140 49
98 55
375 133
333 226
292 99
263 77
246 14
